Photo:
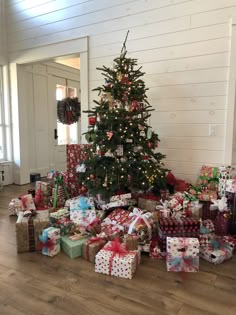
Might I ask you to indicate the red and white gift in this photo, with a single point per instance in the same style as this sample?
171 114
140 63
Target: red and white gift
28 202
15 206
114 260
231 185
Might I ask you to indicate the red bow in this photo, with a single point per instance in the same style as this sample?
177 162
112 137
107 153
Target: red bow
91 241
117 249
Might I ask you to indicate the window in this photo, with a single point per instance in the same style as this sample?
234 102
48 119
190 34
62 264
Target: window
2 127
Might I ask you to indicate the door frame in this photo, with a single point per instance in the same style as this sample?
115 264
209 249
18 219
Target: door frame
68 48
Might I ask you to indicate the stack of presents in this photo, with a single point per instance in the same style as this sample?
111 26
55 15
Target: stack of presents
177 228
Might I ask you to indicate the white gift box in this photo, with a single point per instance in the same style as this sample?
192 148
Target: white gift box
15 206
231 185
119 266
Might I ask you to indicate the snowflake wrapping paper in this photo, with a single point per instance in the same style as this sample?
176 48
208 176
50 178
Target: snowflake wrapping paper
226 172
119 266
182 254
231 185
15 206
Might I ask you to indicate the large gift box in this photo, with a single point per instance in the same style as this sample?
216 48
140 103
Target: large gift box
82 210
115 260
28 230
72 248
186 227
216 252
182 254
209 177
50 241
91 247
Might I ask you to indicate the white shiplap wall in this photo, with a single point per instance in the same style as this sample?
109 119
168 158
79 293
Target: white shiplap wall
3 58
182 45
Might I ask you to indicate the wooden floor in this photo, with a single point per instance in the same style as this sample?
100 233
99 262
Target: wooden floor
32 284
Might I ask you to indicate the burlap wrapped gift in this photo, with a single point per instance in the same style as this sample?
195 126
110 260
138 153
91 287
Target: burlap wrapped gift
28 230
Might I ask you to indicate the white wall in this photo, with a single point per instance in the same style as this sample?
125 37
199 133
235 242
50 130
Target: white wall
182 45
2 33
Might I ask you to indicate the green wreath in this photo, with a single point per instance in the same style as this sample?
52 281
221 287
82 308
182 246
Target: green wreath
68 110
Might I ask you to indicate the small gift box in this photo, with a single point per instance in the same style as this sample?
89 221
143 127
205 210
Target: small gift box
225 173
209 177
230 241
148 202
91 247
44 187
82 210
28 202
155 251
94 225
216 252
140 224
131 242
73 249
28 230
50 241
58 215
15 206
115 260
65 225
182 254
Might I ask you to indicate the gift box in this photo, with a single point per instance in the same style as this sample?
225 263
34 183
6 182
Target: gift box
120 216
155 251
44 187
28 230
182 254
118 203
230 241
225 173
148 202
207 226
15 206
91 247
131 242
115 260
82 210
50 241
222 222
204 239
94 226
216 253
186 227
207 211
110 230
65 225
231 185
28 202
73 249
209 177
59 214
141 225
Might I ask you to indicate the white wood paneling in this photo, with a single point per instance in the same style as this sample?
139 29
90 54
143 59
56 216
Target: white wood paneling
3 53
183 46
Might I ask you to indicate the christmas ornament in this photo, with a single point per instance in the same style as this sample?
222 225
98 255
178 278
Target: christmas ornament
142 133
119 76
109 135
120 150
81 168
149 144
68 110
83 190
149 133
91 176
92 120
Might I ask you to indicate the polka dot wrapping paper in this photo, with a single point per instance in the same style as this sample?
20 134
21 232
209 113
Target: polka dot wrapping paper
119 266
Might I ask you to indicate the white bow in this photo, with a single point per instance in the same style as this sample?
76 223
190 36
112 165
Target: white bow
221 204
164 208
108 221
140 215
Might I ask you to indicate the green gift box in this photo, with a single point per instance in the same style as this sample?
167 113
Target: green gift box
71 248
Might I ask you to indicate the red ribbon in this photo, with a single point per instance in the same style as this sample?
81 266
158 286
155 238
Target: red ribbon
91 241
48 244
117 249
93 224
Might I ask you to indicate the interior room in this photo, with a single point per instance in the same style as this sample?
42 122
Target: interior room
117 157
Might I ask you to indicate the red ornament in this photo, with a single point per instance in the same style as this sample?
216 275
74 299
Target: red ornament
125 80
149 144
91 176
134 105
92 120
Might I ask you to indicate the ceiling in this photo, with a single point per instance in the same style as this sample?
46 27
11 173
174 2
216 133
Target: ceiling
70 62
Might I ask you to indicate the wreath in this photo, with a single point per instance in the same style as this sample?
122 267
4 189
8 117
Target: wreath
68 110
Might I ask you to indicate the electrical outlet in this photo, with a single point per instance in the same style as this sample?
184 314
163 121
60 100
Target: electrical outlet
212 130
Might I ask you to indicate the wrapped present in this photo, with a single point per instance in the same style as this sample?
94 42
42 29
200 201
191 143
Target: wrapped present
155 251
50 241
59 214
216 252
222 223
148 202
207 195
209 177
118 203
82 210
231 185
120 197
91 247
65 225
207 226
182 254
28 230
15 206
110 229
94 226
131 242
45 188
163 209
28 202
186 227
115 260
195 210
118 215
204 239
230 241
140 224
225 173
73 248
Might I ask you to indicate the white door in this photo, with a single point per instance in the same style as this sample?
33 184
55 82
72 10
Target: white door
60 134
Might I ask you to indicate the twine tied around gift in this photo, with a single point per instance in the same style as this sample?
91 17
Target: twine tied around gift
119 250
139 215
93 240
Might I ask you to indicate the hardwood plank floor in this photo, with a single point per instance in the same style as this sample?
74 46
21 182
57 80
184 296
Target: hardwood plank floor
33 284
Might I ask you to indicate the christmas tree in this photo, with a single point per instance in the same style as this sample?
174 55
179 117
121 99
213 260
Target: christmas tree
123 154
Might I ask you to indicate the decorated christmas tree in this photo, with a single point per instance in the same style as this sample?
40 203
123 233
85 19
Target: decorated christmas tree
123 154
